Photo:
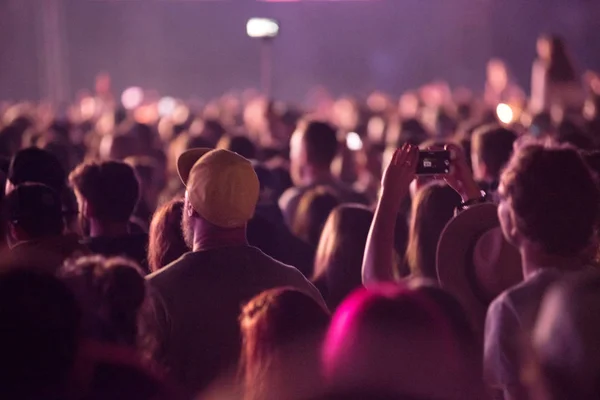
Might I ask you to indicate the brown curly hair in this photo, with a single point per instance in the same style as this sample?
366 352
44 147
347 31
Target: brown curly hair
554 196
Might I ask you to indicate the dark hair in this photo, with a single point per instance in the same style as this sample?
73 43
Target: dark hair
196 141
413 132
238 144
561 67
554 197
313 209
113 294
110 187
36 209
493 145
36 165
320 140
39 335
272 325
165 242
571 133
338 262
433 207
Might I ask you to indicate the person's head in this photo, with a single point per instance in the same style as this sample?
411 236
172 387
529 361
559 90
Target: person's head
313 147
112 293
33 211
548 201
107 192
165 242
281 330
221 195
147 171
39 335
339 255
491 148
403 340
432 208
412 131
572 133
552 50
35 165
497 74
312 212
565 355
238 144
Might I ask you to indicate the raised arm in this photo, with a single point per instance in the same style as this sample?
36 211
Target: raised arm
378 262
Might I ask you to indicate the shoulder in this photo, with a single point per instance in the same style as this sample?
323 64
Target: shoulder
168 273
289 196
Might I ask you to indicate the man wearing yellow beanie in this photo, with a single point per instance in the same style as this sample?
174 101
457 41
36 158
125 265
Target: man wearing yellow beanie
199 295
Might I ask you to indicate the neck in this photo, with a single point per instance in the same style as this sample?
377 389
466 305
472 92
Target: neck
534 260
314 174
212 238
111 229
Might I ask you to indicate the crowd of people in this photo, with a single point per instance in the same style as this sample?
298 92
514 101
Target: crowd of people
248 249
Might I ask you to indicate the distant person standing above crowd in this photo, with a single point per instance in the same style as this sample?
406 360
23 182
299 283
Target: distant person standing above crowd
554 80
500 86
312 150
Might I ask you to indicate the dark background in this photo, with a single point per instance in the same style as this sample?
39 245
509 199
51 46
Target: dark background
186 48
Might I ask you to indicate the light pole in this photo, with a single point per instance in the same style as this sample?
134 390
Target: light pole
266 30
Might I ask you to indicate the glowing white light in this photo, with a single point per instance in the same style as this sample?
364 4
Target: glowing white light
505 113
166 106
88 107
262 28
353 141
132 97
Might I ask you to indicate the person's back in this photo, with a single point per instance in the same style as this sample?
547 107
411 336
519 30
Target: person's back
198 297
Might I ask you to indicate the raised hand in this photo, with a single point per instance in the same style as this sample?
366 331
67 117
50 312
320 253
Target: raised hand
399 174
460 177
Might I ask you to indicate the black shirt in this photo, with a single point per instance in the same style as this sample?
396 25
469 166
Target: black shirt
134 246
199 298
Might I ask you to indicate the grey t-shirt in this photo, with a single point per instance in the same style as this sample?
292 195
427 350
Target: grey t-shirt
199 299
509 317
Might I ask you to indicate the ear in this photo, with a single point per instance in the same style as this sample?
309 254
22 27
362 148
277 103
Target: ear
16 233
9 187
515 236
86 209
189 209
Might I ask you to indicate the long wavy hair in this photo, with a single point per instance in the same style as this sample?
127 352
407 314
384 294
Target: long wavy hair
165 242
433 207
340 252
560 66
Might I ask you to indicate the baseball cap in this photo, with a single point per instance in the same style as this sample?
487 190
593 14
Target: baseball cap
31 202
37 165
222 185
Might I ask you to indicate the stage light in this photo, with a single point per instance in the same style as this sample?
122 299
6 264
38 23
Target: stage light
505 113
262 28
166 106
132 97
354 142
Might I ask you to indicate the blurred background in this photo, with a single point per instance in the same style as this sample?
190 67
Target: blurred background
52 49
